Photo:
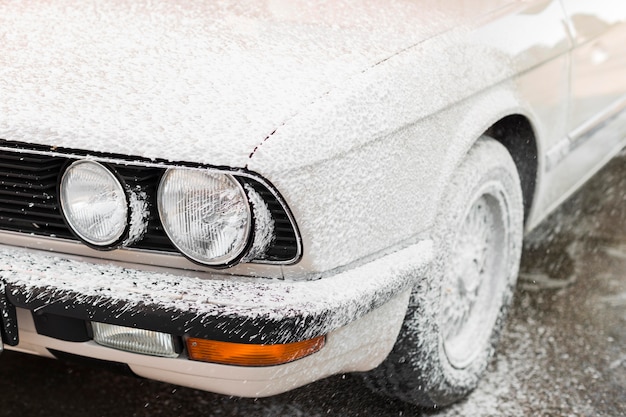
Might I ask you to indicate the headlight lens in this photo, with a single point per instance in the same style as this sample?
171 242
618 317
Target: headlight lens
206 215
94 203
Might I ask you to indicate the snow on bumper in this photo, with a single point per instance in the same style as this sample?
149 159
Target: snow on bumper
248 310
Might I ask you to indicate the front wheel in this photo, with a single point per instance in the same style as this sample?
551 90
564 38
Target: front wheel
456 314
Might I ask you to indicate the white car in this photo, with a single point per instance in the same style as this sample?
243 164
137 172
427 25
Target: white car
246 197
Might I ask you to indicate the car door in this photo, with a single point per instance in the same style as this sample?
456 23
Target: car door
596 125
598 68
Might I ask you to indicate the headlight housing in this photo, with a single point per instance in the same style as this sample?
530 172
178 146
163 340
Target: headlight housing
205 214
108 203
94 203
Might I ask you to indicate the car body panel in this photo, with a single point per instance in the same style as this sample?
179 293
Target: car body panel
599 33
409 133
597 105
197 81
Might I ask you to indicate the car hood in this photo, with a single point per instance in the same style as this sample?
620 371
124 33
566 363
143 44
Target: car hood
190 81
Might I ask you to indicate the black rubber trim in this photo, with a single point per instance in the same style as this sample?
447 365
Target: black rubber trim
63 328
9 333
115 367
289 328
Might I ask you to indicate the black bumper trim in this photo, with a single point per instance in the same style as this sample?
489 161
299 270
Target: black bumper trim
231 309
110 366
227 328
10 335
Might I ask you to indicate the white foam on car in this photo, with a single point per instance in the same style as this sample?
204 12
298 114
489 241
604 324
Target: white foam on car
197 81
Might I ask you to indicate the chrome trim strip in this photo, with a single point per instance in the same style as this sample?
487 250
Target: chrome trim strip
557 153
583 133
596 123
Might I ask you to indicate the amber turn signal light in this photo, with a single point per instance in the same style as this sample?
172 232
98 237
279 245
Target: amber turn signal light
243 354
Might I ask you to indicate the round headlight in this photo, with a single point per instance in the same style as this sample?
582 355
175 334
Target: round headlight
94 203
206 215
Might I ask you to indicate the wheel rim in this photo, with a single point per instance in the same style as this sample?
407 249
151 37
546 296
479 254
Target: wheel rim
474 280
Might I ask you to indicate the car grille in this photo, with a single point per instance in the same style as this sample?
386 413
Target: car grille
29 200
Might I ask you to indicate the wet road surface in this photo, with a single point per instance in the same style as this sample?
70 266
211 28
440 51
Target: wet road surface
563 352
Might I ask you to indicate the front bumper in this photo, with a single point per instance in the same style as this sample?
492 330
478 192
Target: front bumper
342 306
247 310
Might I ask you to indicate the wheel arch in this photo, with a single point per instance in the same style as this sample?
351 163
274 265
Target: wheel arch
515 132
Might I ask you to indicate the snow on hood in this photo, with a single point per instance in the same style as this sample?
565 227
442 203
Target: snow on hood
196 81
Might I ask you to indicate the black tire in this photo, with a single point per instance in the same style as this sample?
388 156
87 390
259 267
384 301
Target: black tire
456 314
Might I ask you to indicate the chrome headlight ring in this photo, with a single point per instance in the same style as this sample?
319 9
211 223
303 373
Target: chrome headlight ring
94 204
206 215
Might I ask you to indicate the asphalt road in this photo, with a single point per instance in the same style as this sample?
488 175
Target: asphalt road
563 352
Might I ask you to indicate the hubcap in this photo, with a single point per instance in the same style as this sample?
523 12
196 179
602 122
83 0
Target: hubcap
473 280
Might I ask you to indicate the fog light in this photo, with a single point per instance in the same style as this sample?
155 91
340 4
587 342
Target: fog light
146 342
244 354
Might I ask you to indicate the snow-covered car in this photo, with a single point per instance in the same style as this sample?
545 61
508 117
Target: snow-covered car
248 196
